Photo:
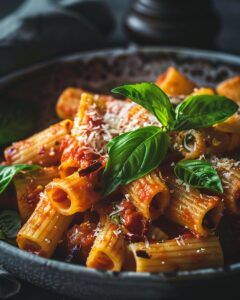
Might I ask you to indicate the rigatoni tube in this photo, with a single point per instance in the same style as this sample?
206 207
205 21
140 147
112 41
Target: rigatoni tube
188 207
43 230
135 116
109 248
193 143
86 138
177 254
68 103
229 171
74 193
232 191
218 142
28 188
190 143
175 83
149 194
42 148
70 99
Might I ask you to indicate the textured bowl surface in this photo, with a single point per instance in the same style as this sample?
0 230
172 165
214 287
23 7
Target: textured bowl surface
99 72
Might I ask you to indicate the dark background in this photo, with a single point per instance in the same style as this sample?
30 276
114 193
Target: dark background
31 41
32 31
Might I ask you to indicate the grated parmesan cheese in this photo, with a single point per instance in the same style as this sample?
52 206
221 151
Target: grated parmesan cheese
180 241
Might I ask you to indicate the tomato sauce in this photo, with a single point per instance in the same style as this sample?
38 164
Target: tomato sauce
134 223
80 239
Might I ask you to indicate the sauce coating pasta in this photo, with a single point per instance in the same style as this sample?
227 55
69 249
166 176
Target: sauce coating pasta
154 223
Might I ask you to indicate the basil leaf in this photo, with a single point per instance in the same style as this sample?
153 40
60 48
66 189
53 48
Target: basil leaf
202 111
151 97
10 224
8 172
115 140
199 174
17 123
133 155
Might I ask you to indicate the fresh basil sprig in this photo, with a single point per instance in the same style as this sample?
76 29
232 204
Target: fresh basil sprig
203 111
10 224
199 174
134 154
151 97
8 172
196 111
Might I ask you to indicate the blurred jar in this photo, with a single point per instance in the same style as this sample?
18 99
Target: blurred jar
189 23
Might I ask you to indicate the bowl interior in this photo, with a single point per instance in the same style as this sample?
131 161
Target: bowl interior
99 72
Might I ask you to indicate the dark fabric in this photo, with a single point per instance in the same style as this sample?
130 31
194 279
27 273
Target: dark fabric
39 30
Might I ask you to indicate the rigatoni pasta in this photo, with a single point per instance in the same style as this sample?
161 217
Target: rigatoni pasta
149 194
231 125
101 199
230 88
86 141
229 170
177 254
175 83
108 250
190 143
193 143
74 193
42 148
43 230
68 103
218 142
199 212
29 188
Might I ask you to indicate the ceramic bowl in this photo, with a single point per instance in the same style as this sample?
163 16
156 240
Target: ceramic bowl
100 71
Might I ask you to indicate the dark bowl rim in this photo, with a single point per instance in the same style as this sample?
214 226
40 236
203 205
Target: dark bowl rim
180 51
94 274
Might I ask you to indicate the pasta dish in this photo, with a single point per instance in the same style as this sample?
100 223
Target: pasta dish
145 180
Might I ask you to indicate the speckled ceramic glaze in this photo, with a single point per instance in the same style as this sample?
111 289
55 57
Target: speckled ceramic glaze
99 72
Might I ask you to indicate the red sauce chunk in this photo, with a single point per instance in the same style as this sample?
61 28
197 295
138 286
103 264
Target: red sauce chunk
134 223
80 239
73 149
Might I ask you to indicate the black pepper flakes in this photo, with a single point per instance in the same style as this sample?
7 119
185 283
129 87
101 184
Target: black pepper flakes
143 254
57 143
90 169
